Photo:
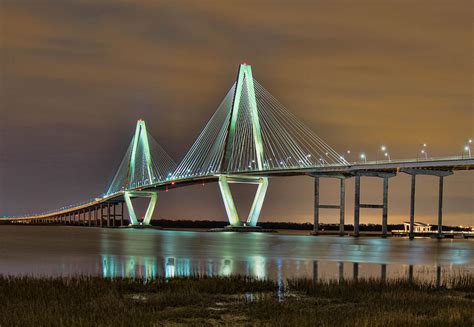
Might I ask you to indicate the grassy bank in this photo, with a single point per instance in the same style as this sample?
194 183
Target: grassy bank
86 301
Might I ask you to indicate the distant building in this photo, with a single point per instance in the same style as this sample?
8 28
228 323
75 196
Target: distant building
418 227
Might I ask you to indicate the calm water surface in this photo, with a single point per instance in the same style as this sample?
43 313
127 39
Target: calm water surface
64 251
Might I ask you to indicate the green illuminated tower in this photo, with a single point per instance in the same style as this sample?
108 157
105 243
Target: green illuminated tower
244 105
144 165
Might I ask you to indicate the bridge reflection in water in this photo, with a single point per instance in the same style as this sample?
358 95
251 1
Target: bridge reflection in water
169 267
125 257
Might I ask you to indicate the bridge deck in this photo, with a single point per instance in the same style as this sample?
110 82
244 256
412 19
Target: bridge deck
393 166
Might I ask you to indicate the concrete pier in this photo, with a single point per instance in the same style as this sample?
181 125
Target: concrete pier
412 205
440 207
441 174
340 206
357 206
384 206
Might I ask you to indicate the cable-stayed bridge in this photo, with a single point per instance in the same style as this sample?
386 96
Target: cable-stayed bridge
250 138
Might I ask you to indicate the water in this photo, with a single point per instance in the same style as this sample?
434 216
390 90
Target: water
65 251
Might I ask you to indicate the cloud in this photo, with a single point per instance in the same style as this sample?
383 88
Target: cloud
75 75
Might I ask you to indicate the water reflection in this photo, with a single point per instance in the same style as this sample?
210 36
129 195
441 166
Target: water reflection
62 251
178 254
168 267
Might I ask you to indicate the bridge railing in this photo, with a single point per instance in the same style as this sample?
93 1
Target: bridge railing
414 160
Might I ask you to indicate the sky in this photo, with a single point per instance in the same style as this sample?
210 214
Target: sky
76 75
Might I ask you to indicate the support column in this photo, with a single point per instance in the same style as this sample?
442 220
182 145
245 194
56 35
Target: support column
101 216
342 203
429 172
113 215
317 202
229 204
316 206
440 207
108 214
412 206
385 207
149 212
121 214
357 206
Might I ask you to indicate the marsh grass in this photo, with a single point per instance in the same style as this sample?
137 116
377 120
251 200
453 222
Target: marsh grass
235 300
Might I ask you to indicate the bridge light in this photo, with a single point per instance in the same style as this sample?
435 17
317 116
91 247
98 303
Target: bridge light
383 148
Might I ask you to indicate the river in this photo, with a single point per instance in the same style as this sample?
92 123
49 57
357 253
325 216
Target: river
149 253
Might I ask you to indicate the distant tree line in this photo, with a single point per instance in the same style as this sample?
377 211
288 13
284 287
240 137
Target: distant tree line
167 223
207 224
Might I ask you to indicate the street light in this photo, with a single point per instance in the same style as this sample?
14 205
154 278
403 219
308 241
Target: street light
363 157
384 151
386 154
423 151
467 149
348 153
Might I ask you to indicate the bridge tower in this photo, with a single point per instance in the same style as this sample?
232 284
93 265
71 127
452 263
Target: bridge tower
250 136
144 164
244 92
